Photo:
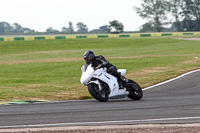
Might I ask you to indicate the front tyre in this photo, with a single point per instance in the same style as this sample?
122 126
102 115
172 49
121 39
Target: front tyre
136 93
100 95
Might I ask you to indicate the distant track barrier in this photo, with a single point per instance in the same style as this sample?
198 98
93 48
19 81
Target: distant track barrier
57 37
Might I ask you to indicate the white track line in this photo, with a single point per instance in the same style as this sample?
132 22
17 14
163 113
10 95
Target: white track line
170 80
101 122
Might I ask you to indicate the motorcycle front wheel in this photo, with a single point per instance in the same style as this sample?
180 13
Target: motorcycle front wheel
100 95
135 93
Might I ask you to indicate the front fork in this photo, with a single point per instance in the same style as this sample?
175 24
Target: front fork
97 83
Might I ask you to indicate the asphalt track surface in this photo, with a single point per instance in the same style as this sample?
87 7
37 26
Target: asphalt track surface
177 101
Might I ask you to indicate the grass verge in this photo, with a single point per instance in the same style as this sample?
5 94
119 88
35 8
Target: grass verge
50 69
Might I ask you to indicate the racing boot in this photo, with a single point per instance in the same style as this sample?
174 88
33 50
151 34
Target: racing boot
125 80
122 82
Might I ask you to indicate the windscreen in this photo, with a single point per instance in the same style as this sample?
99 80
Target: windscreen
84 68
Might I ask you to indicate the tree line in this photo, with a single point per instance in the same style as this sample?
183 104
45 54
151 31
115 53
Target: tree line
162 15
114 27
181 15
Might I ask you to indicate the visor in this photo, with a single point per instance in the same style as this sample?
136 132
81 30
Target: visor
87 58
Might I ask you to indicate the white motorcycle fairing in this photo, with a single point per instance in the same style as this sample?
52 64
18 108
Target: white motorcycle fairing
102 75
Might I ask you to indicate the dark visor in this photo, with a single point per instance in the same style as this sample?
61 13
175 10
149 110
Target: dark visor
87 58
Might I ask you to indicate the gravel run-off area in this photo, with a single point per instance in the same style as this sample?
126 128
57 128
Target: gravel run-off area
149 128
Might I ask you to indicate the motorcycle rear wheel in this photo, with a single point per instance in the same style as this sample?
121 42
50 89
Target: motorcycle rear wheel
101 96
137 93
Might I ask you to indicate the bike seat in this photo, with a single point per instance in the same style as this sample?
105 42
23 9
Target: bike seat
122 71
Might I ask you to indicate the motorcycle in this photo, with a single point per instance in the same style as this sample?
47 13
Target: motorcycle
103 86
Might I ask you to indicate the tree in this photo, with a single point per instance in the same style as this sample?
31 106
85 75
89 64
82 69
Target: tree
115 27
155 11
147 27
5 27
192 13
51 30
64 29
81 27
187 15
196 13
17 28
70 28
27 30
176 11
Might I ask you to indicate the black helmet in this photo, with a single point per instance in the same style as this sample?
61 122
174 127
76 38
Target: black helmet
89 56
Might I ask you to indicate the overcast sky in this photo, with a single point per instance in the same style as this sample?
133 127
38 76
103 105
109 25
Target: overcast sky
41 14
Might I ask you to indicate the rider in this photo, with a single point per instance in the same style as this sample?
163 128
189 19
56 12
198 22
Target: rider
100 61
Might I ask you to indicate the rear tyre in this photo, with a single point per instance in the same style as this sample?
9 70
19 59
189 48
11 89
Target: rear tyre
136 93
100 95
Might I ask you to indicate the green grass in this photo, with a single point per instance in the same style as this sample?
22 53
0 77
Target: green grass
50 69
